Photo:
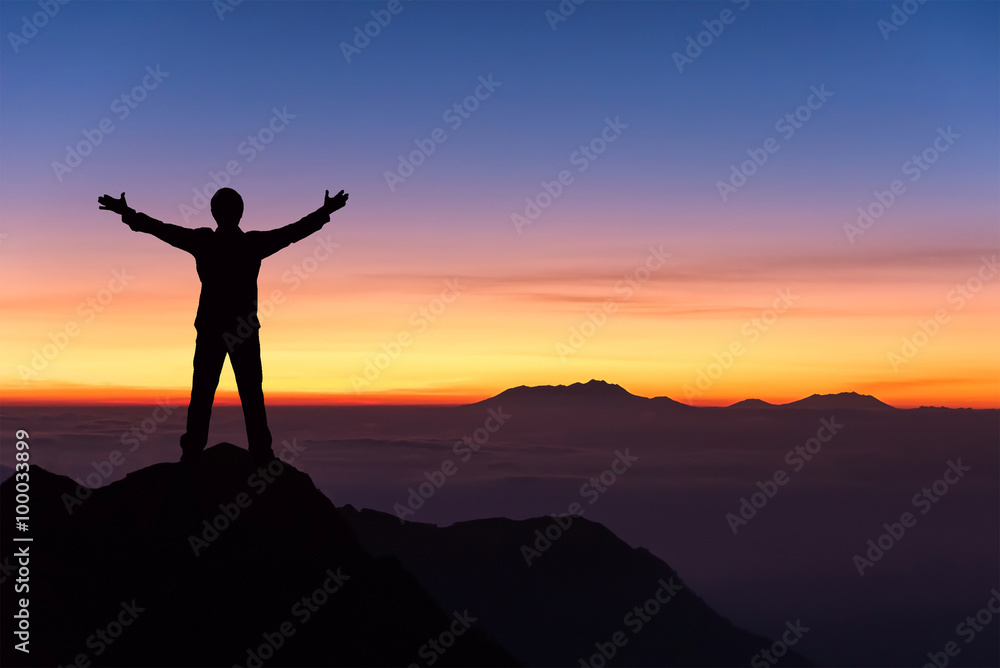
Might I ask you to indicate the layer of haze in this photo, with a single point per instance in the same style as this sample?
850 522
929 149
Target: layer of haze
792 560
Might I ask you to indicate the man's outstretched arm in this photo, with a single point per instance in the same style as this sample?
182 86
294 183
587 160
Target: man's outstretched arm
273 241
175 235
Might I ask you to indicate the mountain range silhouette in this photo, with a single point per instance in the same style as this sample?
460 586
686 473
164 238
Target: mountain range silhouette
233 565
604 393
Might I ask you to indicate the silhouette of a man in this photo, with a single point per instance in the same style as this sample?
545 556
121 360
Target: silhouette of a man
228 261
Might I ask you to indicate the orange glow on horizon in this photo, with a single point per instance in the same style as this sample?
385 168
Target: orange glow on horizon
122 396
323 335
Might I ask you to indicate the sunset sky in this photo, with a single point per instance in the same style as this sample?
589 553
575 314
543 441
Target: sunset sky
676 272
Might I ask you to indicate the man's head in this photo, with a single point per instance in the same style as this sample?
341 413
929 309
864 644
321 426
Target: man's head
227 208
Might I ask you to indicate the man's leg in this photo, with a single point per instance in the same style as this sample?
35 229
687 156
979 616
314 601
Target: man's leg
209 356
245 357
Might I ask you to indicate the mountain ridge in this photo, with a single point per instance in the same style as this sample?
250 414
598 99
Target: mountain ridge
565 625
602 392
228 565
223 565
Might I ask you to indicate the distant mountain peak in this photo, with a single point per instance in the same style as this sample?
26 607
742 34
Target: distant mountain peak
753 403
590 391
591 387
841 400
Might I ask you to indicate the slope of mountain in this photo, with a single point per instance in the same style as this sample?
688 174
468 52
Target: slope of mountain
592 394
556 594
224 566
840 401
753 403
234 566
594 389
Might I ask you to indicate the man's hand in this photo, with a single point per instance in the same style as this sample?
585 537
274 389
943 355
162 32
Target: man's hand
109 203
330 204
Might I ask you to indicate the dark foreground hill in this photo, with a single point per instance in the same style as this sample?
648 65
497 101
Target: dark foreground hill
232 566
555 593
284 582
